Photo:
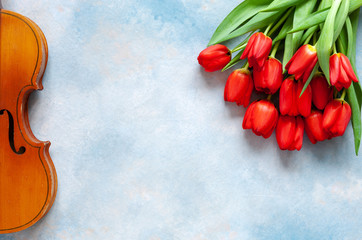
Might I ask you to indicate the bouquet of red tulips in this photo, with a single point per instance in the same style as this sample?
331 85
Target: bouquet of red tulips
315 82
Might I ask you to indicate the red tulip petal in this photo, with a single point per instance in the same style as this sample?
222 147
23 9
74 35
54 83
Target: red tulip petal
309 69
274 76
334 69
265 46
321 92
235 87
295 98
304 102
348 68
263 118
298 139
262 52
286 96
310 134
248 47
342 120
248 92
259 78
288 66
247 123
304 57
331 113
273 124
285 132
344 79
314 128
214 57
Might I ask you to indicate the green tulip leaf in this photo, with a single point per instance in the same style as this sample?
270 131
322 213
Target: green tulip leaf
350 36
314 19
281 4
325 42
342 41
341 17
356 116
354 5
358 90
302 11
286 27
287 53
350 39
261 20
354 94
244 11
354 17
320 16
309 79
309 32
325 4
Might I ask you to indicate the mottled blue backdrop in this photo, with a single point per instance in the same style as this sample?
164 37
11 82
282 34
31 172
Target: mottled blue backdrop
146 148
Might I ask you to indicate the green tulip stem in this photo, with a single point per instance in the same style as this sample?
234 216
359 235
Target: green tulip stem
239 48
343 94
269 97
267 29
314 38
334 48
246 65
281 21
308 39
335 92
275 49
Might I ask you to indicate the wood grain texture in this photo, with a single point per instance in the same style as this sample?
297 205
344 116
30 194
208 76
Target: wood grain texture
28 181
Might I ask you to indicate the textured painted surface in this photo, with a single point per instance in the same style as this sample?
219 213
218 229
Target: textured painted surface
146 148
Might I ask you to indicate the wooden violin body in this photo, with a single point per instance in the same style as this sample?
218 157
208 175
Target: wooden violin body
28 181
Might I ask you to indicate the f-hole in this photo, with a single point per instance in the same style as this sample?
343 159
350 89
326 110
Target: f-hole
11 133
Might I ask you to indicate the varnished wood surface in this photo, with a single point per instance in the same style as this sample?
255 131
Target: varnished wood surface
28 181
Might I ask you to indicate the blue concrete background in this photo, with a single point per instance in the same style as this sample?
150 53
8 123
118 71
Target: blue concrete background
146 148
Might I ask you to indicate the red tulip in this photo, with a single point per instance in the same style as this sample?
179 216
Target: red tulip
239 87
321 92
289 133
269 78
289 101
336 117
341 71
261 117
257 50
214 58
314 128
303 62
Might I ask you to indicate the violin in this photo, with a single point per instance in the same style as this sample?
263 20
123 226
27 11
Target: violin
28 180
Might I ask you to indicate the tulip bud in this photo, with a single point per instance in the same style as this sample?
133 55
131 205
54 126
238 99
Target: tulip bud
321 92
341 72
239 87
214 58
314 128
257 50
289 101
289 133
302 62
269 78
336 117
261 117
